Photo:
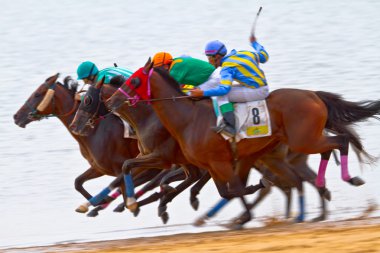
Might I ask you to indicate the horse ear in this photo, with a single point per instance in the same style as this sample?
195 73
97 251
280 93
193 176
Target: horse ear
148 65
52 79
100 83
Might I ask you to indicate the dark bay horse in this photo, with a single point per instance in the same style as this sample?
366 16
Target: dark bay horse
104 148
159 149
298 118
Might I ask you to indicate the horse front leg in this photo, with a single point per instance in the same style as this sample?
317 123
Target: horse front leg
197 187
146 162
110 198
194 175
89 174
98 199
263 184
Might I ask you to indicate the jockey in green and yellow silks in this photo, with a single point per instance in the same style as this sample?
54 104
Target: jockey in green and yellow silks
187 71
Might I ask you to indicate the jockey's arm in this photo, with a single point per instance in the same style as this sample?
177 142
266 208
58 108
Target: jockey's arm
260 52
225 83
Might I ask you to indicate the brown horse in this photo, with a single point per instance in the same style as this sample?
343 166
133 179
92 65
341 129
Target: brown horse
52 99
298 118
153 142
159 149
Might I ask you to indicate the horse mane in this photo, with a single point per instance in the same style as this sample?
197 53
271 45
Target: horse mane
117 81
70 84
172 82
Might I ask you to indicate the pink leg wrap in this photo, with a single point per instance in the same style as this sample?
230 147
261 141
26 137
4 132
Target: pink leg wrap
344 163
139 194
320 180
115 194
105 205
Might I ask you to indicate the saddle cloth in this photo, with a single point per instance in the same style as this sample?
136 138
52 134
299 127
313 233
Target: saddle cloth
128 130
252 119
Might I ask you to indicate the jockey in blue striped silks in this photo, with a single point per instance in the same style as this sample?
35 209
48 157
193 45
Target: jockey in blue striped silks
242 67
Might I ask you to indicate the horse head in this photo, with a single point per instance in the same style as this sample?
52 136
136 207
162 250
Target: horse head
37 104
134 89
88 110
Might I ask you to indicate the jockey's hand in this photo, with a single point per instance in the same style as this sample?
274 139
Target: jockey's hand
196 93
252 38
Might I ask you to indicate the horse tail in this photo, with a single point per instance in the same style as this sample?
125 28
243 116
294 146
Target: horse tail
342 114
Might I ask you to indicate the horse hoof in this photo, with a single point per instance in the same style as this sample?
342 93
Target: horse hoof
325 193
318 219
356 181
266 183
133 207
200 221
234 226
164 217
161 210
120 208
136 212
300 219
238 223
82 209
195 203
93 213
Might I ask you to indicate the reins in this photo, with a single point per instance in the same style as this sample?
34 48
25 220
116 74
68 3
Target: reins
174 98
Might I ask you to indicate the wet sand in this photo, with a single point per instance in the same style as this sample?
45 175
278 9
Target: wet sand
357 235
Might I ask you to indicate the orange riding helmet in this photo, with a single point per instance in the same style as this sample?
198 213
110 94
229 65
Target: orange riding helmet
162 58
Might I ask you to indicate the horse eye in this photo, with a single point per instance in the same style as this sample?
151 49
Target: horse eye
135 81
87 100
37 95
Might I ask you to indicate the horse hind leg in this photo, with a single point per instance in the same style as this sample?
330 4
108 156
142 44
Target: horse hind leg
356 181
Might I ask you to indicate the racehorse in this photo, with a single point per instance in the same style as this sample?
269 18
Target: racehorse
298 118
53 99
93 101
159 149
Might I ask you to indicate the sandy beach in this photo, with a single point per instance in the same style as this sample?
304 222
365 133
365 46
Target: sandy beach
356 235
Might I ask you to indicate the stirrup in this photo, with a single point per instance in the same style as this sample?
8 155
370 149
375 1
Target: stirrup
225 129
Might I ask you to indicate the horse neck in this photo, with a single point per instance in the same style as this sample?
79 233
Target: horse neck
64 102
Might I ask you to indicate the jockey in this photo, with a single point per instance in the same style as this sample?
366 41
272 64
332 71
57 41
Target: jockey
240 66
187 71
90 74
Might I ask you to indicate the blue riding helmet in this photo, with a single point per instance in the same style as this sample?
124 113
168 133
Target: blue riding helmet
215 47
86 69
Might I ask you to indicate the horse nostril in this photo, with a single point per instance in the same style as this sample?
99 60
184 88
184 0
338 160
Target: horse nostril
15 116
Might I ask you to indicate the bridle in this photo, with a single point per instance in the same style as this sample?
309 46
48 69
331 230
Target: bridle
35 115
95 117
133 100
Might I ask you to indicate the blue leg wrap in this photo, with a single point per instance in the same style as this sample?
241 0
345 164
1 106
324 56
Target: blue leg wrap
129 187
217 207
301 216
98 198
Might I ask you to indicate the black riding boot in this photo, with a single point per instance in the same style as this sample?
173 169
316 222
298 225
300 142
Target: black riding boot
227 126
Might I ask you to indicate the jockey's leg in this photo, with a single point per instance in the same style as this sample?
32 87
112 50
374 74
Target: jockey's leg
227 127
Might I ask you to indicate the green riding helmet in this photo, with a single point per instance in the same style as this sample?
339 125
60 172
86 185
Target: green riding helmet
86 69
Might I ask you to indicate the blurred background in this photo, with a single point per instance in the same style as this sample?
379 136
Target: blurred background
328 45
